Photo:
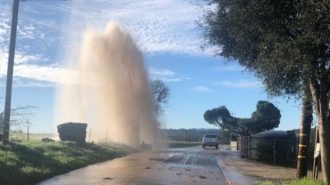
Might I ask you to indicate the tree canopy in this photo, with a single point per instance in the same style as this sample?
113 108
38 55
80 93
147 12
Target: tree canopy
292 36
285 43
265 117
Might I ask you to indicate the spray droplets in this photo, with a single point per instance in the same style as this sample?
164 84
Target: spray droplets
113 91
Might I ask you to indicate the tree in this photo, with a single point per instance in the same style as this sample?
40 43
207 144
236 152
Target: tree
160 94
285 44
266 117
222 118
20 116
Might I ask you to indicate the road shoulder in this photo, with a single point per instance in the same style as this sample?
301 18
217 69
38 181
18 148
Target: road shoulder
232 175
243 171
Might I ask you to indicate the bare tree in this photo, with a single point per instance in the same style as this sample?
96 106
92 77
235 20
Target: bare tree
160 94
20 117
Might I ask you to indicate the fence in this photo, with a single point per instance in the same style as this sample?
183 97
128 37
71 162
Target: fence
270 150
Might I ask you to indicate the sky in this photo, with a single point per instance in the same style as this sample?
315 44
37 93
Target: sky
170 39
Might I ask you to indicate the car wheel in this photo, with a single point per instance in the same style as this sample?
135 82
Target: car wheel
217 147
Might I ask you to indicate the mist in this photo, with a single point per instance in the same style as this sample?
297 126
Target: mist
112 94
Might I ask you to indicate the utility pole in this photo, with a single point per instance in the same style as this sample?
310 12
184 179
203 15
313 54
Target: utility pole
304 133
10 69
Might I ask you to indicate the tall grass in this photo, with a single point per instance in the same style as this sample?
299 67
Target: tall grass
31 162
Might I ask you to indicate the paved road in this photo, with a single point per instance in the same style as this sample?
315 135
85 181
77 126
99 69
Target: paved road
190 166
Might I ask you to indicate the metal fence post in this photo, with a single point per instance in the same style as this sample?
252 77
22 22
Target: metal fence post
248 147
274 151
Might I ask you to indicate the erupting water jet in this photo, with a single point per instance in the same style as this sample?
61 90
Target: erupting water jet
113 94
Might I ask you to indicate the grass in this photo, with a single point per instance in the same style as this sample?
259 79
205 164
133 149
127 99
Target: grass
22 136
31 162
305 181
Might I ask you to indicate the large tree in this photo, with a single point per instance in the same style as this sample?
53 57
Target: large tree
222 118
265 117
286 44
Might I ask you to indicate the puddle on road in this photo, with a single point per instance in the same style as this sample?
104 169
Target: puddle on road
107 178
192 160
148 169
188 169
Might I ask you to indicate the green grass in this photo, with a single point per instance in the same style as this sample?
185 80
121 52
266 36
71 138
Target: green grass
22 136
31 162
306 181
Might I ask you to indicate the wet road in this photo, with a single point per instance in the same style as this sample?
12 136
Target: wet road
190 166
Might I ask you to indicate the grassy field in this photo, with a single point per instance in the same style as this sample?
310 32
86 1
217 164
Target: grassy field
296 182
22 136
30 162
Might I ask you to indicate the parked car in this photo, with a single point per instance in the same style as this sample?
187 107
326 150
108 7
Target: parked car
210 140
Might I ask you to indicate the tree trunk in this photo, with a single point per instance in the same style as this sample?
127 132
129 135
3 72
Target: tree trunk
321 105
304 134
325 153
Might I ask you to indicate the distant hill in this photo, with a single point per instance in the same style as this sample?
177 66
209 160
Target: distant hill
189 135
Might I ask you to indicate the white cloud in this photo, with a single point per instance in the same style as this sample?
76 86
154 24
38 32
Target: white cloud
241 83
157 26
161 72
45 29
227 68
24 82
52 74
26 70
203 89
166 75
29 75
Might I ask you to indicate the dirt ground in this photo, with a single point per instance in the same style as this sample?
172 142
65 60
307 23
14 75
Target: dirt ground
257 170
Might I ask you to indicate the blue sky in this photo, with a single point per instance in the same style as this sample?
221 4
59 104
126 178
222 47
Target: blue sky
167 33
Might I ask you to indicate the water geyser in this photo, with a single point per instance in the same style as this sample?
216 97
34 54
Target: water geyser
112 94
